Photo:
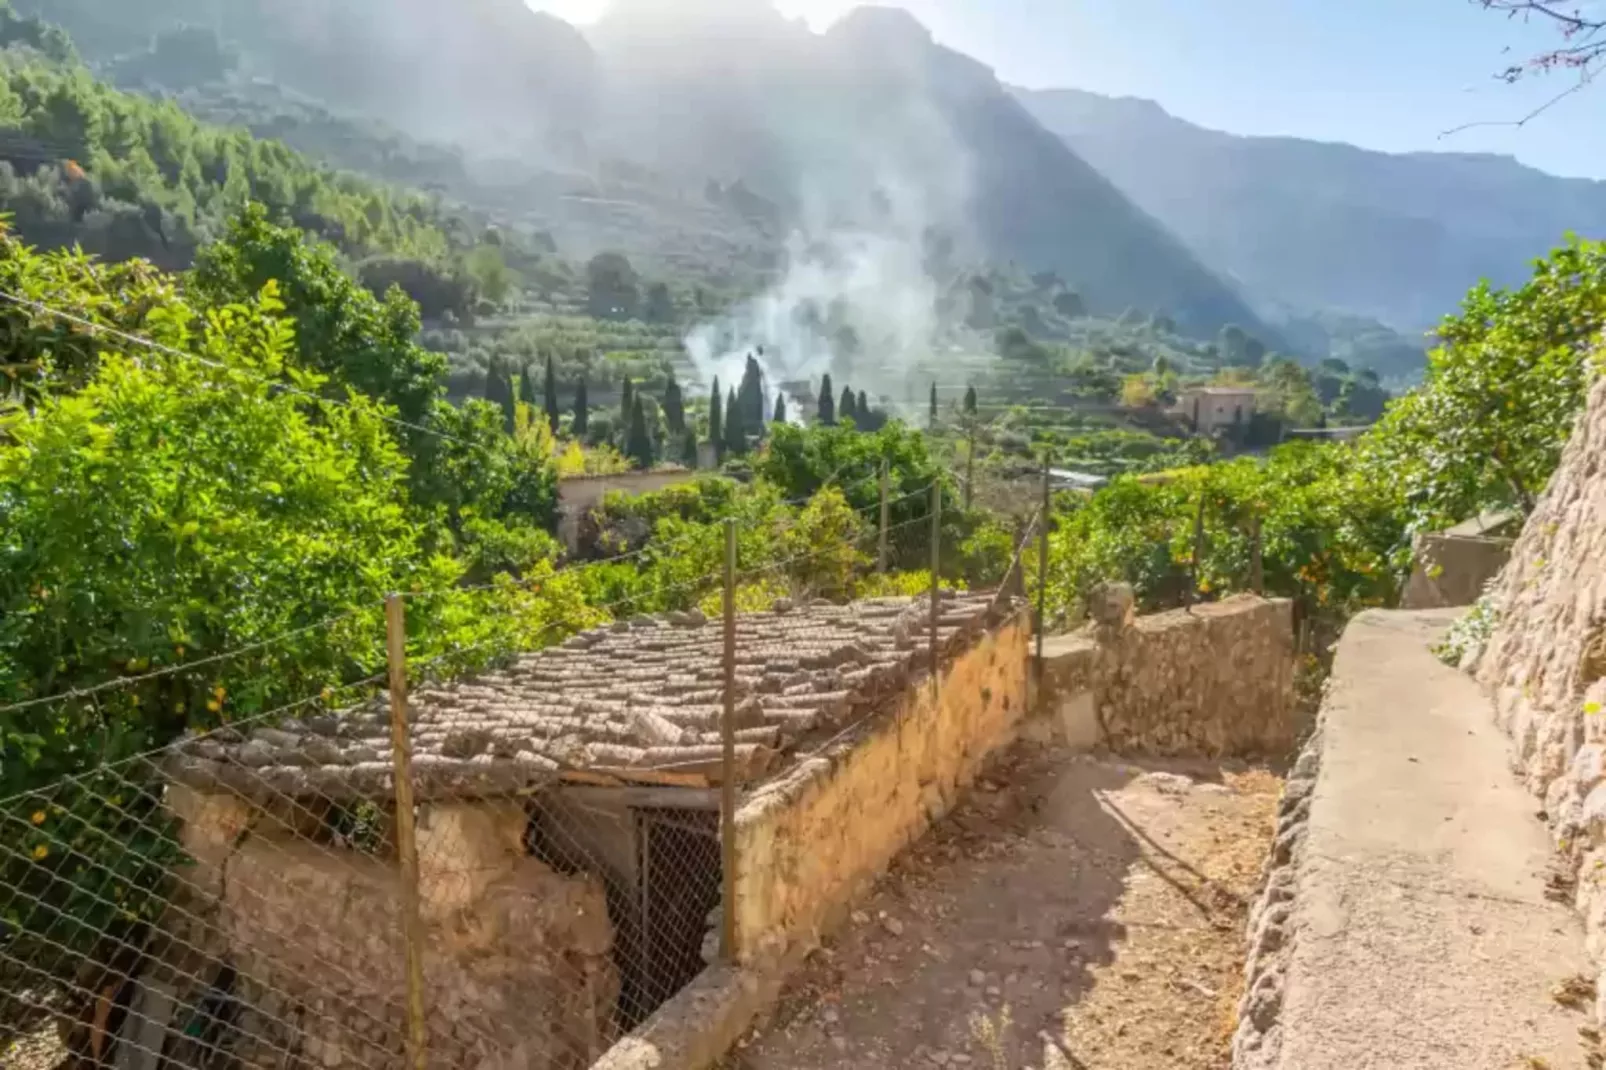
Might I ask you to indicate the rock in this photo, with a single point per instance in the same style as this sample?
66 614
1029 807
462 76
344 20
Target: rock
275 737
977 978
465 742
941 1058
860 918
256 754
893 926
1111 606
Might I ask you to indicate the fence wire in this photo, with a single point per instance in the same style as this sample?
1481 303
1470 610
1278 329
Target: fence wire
533 872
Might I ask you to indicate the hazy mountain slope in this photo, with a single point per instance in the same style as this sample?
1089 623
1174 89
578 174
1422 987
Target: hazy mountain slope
870 129
873 125
1311 225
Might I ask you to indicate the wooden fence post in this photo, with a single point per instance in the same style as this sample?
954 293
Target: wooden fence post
727 780
406 831
936 579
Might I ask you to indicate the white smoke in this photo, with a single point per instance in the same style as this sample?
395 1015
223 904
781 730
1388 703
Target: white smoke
878 174
858 305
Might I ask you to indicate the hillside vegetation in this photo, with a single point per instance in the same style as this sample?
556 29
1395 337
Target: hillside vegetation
621 141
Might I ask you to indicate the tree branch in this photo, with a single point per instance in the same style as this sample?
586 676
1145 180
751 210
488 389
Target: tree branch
1583 80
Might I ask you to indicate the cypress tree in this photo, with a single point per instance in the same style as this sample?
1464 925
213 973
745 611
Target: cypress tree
970 401
847 409
499 392
933 417
780 408
861 408
735 433
638 444
827 415
550 386
716 425
527 385
674 408
750 395
627 398
688 448
582 409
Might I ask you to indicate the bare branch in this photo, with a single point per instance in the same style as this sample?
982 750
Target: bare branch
1584 79
1585 36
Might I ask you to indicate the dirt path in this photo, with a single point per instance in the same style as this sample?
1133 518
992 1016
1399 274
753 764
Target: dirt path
1093 904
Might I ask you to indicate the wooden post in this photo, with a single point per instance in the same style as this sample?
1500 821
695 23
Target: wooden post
406 833
886 507
970 465
1042 565
727 780
936 579
1198 552
1257 575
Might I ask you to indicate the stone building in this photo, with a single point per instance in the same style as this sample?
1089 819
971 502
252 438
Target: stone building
567 830
1214 409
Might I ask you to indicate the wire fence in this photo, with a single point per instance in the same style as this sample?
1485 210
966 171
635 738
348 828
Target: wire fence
513 868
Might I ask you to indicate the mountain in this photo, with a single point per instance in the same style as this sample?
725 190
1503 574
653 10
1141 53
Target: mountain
873 125
868 136
1311 225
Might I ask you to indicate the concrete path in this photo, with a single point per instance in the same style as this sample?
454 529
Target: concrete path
1421 935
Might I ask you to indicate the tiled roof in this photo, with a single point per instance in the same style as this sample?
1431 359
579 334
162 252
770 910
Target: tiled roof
637 701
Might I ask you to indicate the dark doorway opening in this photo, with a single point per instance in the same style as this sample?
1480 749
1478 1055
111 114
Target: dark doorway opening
680 888
660 913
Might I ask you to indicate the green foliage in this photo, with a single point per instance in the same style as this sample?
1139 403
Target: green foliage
613 287
638 444
1470 631
342 330
716 419
549 394
156 510
127 176
1501 394
1332 538
825 545
674 409
735 431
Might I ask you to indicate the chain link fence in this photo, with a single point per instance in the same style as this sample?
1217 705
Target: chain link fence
508 870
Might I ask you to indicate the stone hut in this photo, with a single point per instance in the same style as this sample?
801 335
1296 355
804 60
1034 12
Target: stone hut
567 828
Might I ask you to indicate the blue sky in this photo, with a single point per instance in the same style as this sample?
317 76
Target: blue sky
1385 74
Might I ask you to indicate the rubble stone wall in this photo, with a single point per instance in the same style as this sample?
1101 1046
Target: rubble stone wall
811 840
1214 680
1545 665
517 966
1452 570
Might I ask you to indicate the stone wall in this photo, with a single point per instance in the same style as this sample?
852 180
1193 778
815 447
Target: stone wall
517 964
1452 569
580 493
1214 680
1545 664
811 840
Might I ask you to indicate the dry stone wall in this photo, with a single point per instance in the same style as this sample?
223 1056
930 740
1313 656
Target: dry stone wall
1545 664
1214 680
811 840
517 964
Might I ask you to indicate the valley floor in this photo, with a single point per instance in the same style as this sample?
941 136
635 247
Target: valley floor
1072 912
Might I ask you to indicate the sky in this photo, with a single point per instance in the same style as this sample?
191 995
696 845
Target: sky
1394 75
